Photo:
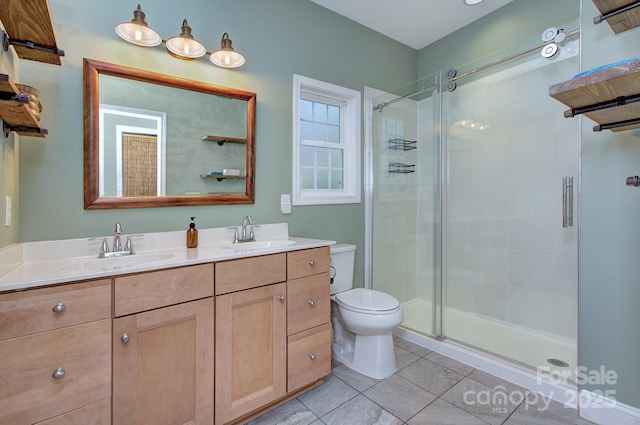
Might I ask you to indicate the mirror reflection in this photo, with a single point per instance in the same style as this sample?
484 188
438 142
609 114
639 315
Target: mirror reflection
155 140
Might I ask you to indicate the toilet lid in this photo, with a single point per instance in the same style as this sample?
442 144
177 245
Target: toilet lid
367 300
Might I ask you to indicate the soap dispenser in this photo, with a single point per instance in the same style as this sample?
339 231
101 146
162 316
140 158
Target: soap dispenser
192 235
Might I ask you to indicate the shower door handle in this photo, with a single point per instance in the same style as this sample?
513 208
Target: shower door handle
567 201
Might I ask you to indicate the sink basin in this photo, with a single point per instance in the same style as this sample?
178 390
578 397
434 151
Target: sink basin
114 263
258 245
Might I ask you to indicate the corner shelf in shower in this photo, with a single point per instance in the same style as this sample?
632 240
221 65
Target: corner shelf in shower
621 15
402 144
610 97
400 168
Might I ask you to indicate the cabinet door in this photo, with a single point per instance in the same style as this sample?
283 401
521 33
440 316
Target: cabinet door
251 368
163 366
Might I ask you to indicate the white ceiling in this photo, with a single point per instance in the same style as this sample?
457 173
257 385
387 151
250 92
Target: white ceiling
416 23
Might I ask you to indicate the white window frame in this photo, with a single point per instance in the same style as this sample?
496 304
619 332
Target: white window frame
350 123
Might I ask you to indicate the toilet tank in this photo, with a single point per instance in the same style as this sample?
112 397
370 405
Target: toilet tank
342 262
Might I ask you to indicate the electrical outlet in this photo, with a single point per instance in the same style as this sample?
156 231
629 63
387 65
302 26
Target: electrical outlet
7 211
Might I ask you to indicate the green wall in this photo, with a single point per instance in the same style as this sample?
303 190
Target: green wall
279 38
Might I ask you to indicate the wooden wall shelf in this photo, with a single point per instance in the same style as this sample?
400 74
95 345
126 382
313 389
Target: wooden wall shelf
16 115
30 30
623 21
222 140
610 97
221 177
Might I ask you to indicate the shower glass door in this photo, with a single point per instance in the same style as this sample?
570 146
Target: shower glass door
509 267
405 226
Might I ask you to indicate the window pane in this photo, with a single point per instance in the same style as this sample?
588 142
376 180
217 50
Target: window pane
306 156
336 179
334 115
320 132
306 108
323 179
337 158
306 132
322 157
306 178
334 134
319 112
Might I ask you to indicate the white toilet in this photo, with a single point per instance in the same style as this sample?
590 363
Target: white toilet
362 319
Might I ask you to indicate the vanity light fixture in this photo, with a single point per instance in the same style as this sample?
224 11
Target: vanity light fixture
226 57
137 31
182 46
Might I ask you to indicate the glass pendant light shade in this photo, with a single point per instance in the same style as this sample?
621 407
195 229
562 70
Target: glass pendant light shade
184 46
137 31
226 57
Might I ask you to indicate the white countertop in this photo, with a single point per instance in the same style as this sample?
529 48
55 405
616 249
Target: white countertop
33 264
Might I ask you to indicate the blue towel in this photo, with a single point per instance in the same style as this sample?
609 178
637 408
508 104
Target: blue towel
603 67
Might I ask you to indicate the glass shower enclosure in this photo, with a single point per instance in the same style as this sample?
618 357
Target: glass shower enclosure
471 208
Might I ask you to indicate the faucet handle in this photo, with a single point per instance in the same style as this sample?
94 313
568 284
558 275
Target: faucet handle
104 248
128 246
236 236
118 229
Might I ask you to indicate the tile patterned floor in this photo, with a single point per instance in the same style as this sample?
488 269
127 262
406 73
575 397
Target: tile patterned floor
428 388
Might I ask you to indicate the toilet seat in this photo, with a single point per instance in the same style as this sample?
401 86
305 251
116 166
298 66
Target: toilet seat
367 301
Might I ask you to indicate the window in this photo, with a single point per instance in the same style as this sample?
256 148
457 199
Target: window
326 143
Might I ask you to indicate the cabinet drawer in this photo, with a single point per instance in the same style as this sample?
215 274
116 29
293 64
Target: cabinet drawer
246 273
95 414
308 302
309 354
32 311
146 291
307 262
29 393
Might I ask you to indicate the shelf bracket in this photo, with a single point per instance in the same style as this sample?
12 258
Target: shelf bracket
21 98
617 124
7 41
6 129
619 101
600 18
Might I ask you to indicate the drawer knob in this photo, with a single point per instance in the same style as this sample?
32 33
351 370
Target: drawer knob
312 356
59 373
124 338
281 298
311 262
58 308
312 303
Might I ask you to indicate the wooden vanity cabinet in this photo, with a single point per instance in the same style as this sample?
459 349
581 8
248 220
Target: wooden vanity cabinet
273 337
251 336
163 352
308 317
55 355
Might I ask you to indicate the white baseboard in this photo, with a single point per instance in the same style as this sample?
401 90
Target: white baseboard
595 408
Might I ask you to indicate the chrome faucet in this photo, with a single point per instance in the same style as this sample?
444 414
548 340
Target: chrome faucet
117 245
116 250
244 233
247 221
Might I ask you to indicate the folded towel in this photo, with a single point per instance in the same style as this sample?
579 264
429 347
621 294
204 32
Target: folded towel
603 67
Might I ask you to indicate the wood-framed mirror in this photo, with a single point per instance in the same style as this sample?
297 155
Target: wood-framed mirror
153 140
